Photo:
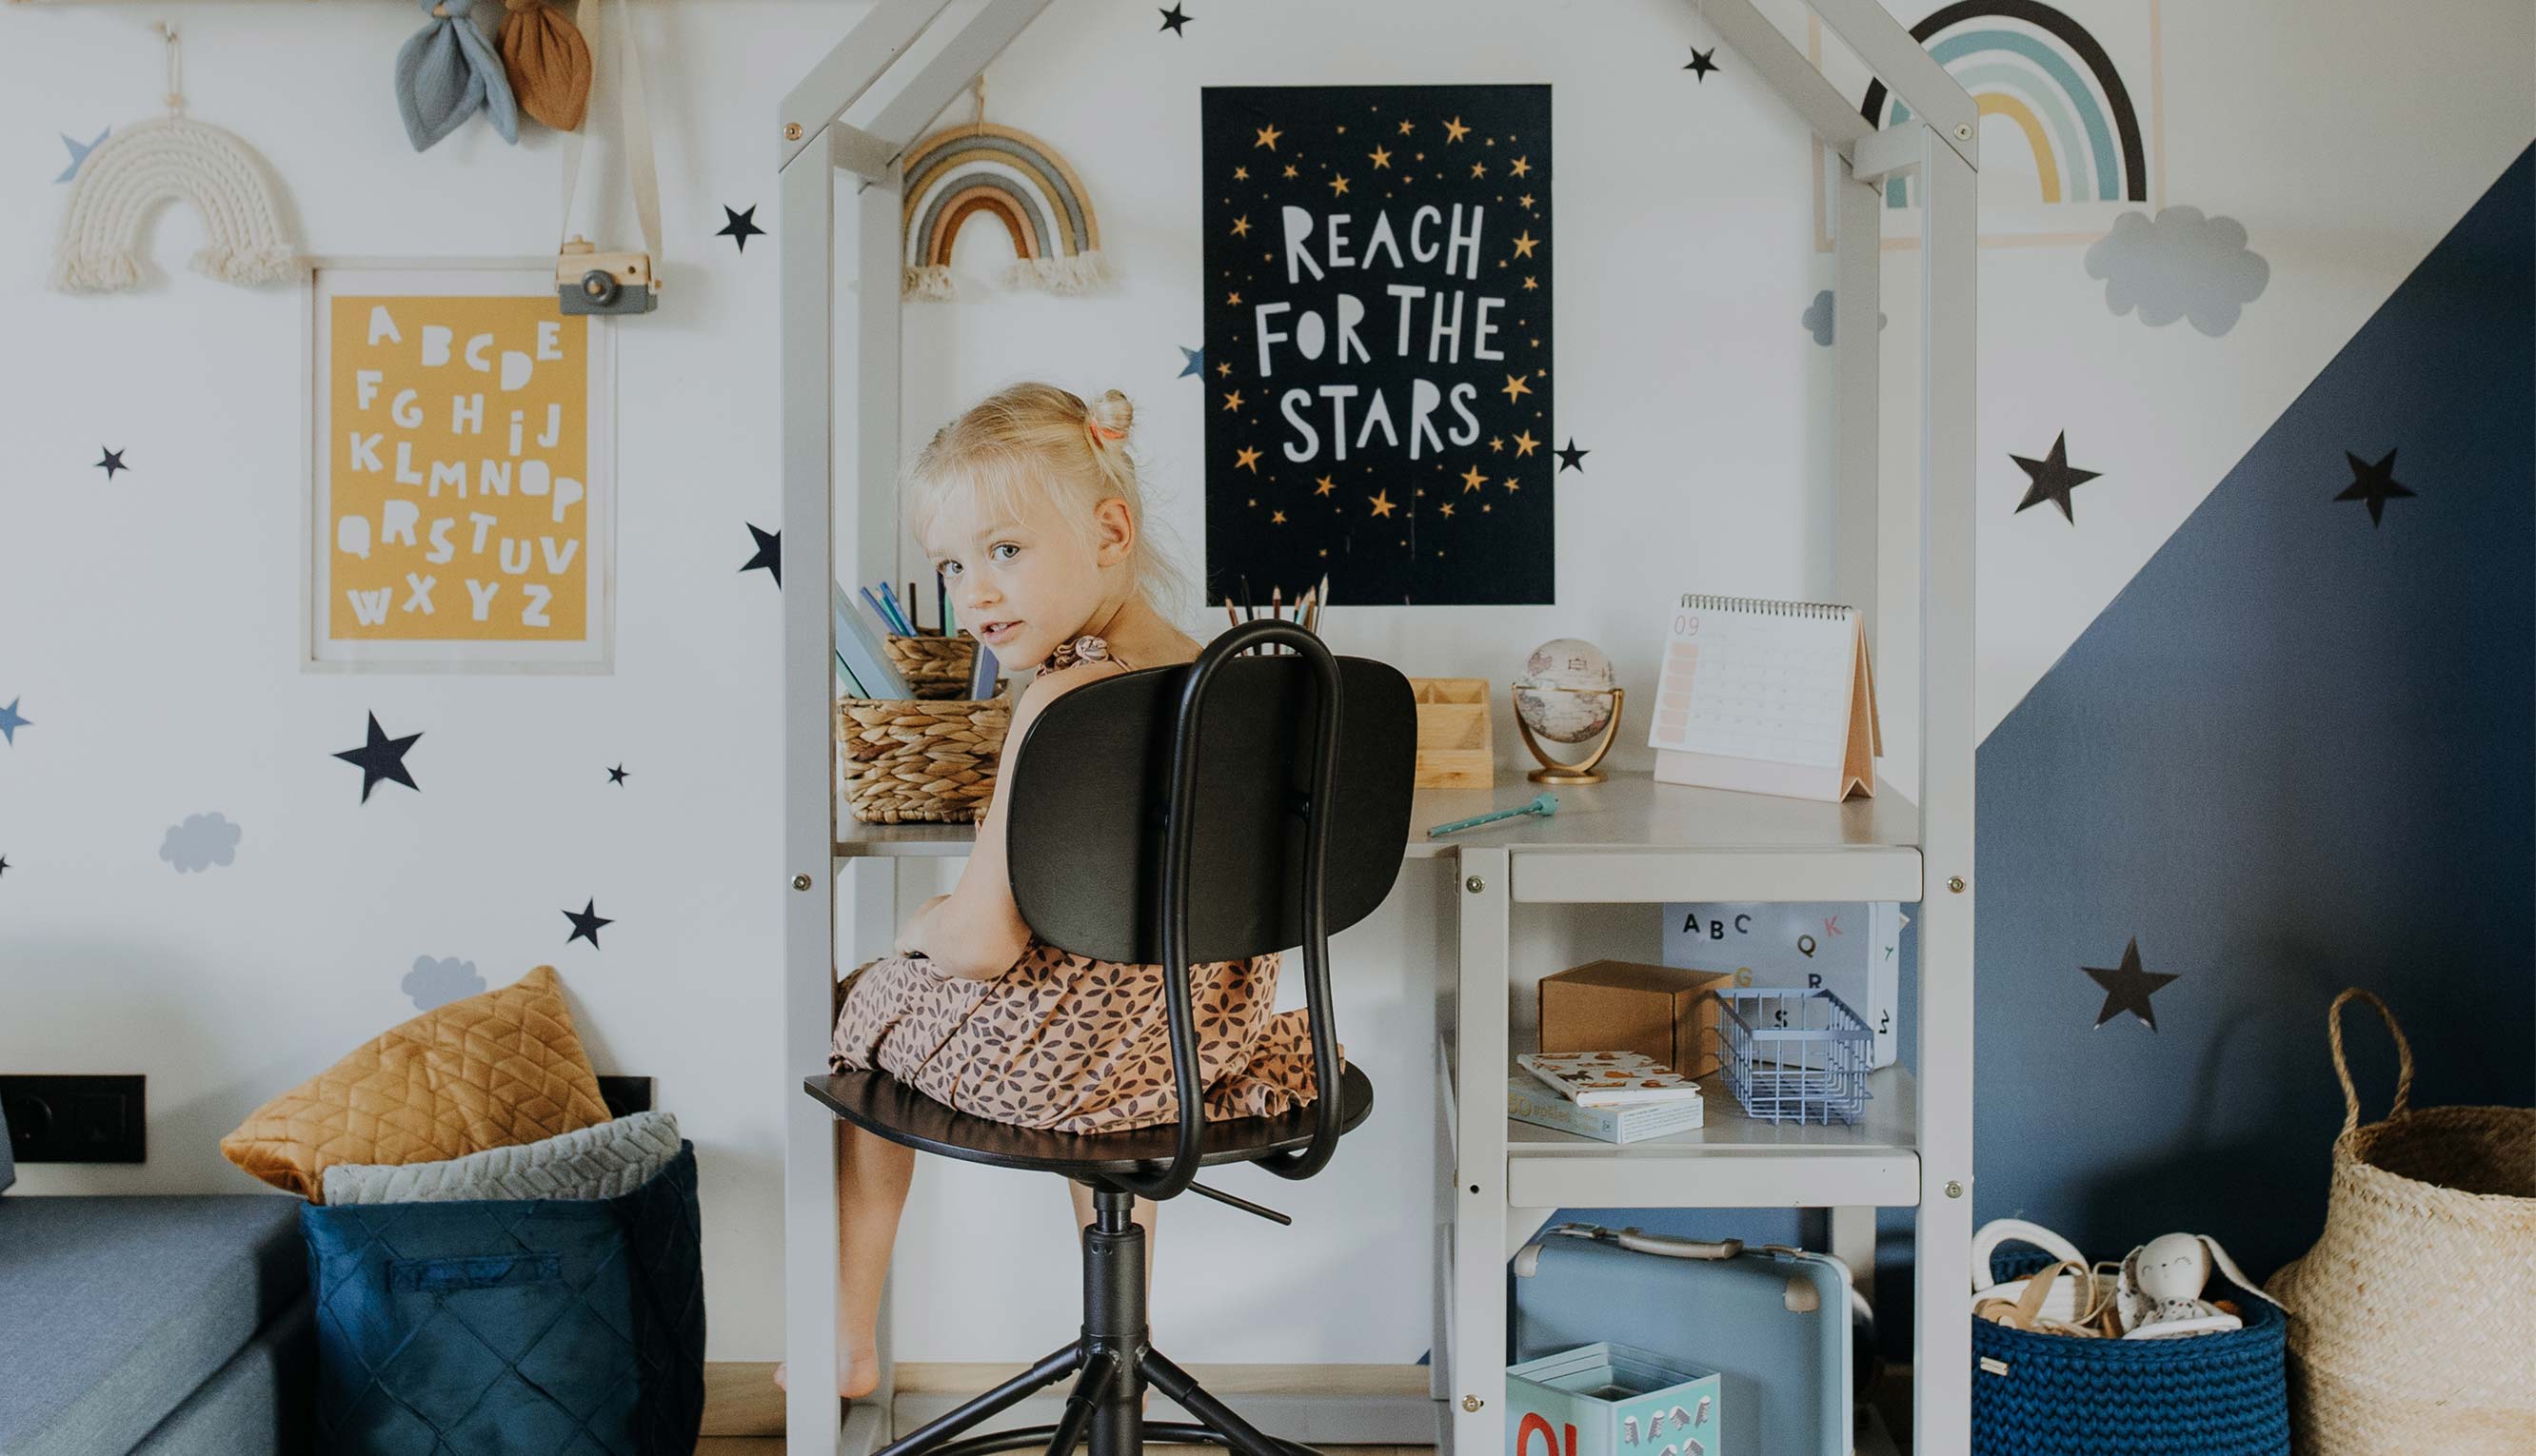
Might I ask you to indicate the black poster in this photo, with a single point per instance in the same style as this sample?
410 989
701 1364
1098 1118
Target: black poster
1377 343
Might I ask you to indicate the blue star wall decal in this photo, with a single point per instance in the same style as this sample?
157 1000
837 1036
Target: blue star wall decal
10 722
79 154
1192 361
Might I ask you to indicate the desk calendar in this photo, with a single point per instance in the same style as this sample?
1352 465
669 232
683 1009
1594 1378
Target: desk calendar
1772 697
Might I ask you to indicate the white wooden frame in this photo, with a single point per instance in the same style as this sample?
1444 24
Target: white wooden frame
893 57
596 653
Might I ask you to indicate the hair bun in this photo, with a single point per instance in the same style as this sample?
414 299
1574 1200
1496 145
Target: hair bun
1112 412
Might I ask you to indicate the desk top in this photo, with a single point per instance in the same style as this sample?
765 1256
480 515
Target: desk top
1627 811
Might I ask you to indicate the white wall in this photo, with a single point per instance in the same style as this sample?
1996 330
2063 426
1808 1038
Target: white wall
147 622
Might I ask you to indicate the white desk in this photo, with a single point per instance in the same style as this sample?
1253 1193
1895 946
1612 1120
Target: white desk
1629 838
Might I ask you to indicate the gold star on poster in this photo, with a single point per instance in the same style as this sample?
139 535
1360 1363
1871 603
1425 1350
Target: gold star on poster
1227 369
1515 389
1382 505
1268 136
1530 283
1454 131
1327 485
1232 301
1473 479
1233 401
1447 509
1526 200
1290 172
1524 243
1242 174
1497 445
1407 127
1479 170
1520 167
1248 460
1241 226
1525 444
1338 186
1277 518
1379 158
1510 483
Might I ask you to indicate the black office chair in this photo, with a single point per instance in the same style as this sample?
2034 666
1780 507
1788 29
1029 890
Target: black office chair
1207 812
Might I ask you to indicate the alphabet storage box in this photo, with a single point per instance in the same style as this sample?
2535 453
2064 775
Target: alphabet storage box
1610 1398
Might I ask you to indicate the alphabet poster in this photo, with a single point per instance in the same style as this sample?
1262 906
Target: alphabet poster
462 473
1378 382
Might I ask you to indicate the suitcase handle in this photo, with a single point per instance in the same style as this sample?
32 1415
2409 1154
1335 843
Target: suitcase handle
1527 1261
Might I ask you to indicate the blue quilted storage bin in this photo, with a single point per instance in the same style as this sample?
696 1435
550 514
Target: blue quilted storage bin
2037 1394
529 1327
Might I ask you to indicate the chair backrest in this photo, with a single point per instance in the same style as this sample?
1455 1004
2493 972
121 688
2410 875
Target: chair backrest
1090 799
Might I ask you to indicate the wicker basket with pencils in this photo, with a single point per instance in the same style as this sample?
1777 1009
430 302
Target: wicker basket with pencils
920 760
934 666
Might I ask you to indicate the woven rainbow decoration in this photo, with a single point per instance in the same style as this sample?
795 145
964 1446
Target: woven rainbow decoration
1023 183
174 158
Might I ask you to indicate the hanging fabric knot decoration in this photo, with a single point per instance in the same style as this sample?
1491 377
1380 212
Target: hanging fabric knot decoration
446 72
171 156
548 62
1017 180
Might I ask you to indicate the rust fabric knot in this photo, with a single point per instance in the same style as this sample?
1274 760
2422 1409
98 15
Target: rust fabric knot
548 62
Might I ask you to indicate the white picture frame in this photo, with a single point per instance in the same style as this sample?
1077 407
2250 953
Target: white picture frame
320 649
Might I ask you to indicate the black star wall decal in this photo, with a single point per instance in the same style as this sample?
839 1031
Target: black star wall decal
1172 20
4 865
112 462
1701 63
2373 483
2051 479
770 554
616 775
382 759
742 228
1571 457
585 923
2127 988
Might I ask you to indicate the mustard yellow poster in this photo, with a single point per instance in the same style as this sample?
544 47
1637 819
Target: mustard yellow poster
461 459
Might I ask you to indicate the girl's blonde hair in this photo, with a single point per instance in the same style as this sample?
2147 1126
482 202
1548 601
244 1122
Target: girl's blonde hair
1036 443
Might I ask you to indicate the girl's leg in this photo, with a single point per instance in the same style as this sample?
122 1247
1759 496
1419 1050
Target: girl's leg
872 1179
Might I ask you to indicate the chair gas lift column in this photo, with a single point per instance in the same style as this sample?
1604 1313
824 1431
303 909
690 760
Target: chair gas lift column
1904 547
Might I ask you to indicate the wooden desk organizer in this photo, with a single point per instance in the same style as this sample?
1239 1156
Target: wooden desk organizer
1454 733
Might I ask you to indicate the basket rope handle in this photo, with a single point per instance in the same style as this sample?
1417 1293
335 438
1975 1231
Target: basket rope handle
2342 1069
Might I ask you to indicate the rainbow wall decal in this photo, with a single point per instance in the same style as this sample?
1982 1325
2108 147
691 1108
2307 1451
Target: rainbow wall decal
153 161
2042 71
1023 183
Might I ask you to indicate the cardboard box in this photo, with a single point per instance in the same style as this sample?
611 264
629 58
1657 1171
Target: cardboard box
1599 1399
1662 1011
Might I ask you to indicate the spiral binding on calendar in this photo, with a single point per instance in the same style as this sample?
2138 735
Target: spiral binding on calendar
1820 611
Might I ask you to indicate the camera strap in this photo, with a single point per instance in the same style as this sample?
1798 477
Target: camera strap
636 128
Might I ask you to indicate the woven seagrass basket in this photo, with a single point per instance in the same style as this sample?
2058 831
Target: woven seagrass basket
2413 1320
933 666
920 760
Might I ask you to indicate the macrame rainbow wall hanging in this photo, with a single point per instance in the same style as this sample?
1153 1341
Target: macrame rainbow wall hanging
1025 184
172 157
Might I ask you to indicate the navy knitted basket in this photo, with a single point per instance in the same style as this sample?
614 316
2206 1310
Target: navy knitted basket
2060 1394
512 1327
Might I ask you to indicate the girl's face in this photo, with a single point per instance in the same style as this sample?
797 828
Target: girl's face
1021 586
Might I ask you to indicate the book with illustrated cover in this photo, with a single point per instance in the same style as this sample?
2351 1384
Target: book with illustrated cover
1608 1079
1529 1099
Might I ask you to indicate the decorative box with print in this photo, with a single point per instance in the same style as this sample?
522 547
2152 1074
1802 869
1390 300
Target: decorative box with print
1851 949
1611 1399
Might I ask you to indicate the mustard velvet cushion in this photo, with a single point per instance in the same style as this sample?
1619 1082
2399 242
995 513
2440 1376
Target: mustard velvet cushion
495 1069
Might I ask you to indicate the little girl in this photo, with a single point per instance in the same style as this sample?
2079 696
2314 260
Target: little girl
1029 506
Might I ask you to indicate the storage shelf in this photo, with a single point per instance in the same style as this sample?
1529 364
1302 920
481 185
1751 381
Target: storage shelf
1733 1161
1627 838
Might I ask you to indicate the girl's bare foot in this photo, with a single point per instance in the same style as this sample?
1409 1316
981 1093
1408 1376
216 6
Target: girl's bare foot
858 1374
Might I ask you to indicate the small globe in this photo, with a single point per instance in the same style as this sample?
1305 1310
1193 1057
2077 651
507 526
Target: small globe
1565 692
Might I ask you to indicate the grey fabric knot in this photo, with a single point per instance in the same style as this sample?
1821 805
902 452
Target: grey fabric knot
446 72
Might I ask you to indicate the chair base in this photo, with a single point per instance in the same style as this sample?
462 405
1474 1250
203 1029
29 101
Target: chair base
1112 1364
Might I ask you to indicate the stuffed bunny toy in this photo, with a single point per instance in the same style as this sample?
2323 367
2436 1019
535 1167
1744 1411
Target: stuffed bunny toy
2159 1295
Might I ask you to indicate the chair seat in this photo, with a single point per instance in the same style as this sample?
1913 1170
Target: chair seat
880 1104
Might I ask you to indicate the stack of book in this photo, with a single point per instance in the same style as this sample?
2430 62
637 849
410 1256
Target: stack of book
1617 1096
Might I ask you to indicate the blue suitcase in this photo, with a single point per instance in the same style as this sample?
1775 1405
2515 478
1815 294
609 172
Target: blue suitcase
1773 1322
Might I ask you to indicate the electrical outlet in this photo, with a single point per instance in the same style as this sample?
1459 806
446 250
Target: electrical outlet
625 1095
76 1118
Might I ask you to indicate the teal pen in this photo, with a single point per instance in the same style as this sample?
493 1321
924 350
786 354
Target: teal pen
1544 804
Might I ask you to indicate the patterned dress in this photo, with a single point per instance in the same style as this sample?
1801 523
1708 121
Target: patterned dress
1068 1043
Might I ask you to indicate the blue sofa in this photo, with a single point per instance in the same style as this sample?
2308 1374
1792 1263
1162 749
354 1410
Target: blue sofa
160 1325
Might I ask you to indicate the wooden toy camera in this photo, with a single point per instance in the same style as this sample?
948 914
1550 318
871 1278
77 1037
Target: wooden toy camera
591 282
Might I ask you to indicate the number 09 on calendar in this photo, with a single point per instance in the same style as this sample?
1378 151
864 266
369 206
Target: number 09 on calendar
1768 697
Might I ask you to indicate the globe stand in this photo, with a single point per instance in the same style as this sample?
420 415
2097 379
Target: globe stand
1552 770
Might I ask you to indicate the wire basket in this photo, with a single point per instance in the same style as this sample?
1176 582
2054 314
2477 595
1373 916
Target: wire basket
1795 1055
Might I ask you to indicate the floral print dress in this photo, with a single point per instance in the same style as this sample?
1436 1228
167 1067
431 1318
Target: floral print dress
1070 1043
